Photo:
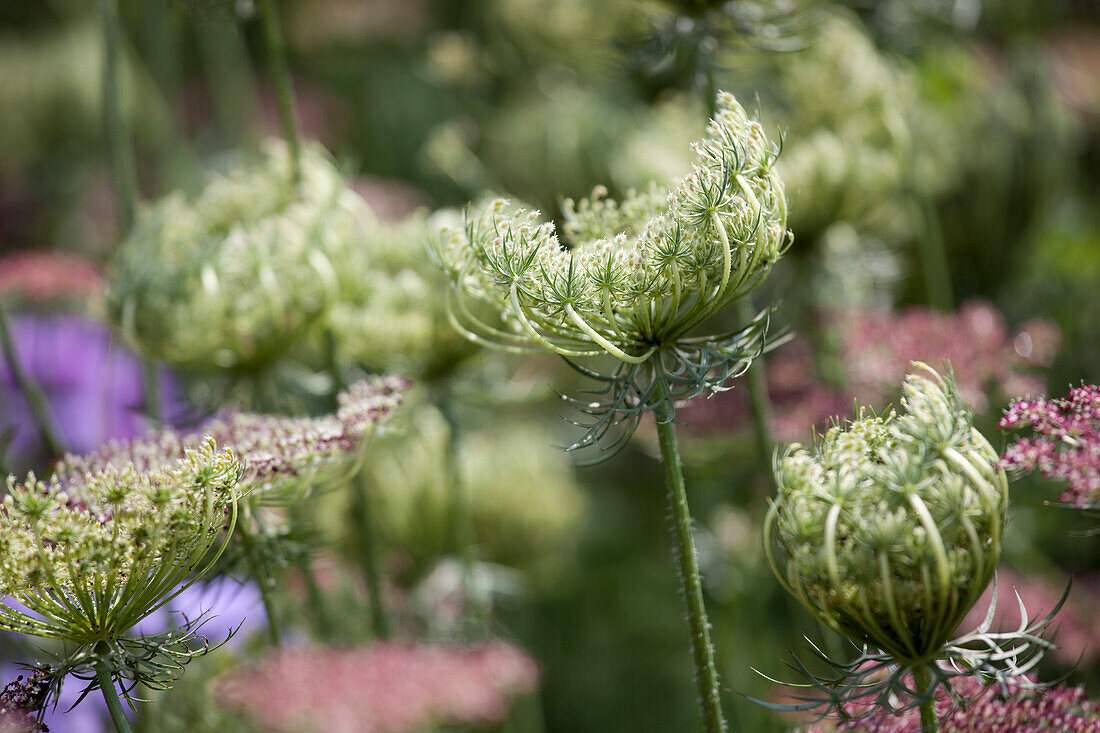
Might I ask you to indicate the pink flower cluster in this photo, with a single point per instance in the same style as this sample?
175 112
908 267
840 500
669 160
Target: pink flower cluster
1022 710
388 687
268 446
42 277
1065 442
875 351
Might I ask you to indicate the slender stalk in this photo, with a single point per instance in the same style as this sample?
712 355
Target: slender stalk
462 534
280 80
264 580
114 705
364 517
30 388
937 273
922 683
758 391
119 139
706 674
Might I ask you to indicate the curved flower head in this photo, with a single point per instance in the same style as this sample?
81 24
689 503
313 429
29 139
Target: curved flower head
235 277
639 277
889 531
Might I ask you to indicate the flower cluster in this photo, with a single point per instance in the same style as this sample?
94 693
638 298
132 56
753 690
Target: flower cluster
888 533
274 452
1065 444
19 700
87 560
876 347
643 272
234 278
1016 707
891 529
382 688
641 276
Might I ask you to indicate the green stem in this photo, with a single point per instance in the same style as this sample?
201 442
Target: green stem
937 273
264 579
380 620
114 705
30 388
117 126
462 534
706 674
280 80
922 683
759 401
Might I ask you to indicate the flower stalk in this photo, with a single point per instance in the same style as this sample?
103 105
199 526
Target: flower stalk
32 391
114 705
280 79
706 674
924 686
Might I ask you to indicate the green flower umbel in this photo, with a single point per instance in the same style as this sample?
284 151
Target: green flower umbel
88 561
235 277
890 530
640 275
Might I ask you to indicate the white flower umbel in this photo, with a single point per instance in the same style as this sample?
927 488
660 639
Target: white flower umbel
85 562
640 277
235 277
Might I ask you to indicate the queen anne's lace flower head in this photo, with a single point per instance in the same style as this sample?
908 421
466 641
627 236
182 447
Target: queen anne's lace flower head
88 560
235 277
641 274
890 529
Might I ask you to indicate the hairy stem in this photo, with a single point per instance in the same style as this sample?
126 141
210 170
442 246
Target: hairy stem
368 558
922 683
706 674
114 705
280 80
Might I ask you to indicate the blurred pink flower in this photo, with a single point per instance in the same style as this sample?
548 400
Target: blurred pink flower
1065 442
385 687
43 277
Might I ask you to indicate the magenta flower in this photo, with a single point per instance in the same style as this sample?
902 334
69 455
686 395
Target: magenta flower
1064 443
1016 709
381 688
48 277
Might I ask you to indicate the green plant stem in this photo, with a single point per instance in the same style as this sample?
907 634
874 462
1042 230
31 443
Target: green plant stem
264 580
706 674
937 273
116 124
114 705
280 80
462 531
758 391
368 558
922 683
30 388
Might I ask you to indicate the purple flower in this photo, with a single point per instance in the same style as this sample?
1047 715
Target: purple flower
93 386
1064 442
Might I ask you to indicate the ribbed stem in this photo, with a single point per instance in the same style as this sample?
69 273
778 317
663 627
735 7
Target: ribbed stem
922 683
706 674
280 81
368 558
759 400
114 705
30 388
